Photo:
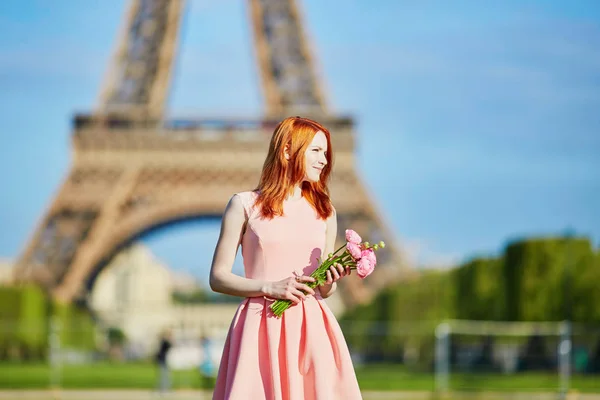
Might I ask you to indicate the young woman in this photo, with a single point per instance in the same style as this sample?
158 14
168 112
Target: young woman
283 226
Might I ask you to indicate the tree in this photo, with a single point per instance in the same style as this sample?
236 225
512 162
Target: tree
479 289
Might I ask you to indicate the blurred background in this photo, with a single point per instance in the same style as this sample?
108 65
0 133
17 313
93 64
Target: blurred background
476 137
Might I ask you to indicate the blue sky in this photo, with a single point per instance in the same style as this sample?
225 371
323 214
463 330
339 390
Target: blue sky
478 122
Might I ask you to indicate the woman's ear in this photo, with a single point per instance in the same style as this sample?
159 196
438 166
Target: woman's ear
286 152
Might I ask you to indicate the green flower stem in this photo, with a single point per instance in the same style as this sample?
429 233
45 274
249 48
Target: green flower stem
320 275
341 247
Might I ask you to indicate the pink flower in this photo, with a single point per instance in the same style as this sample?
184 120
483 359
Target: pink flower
364 267
370 255
354 250
353 237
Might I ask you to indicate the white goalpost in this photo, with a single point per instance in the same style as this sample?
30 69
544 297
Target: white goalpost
506 355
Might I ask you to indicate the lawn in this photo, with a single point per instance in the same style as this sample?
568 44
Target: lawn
374 377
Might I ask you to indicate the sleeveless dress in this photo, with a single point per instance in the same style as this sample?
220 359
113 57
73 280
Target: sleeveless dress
303 354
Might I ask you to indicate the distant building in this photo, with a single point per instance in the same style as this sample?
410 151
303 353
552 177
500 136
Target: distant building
134 293
184 282
134 280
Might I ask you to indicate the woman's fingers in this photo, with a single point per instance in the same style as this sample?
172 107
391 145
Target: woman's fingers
304 287
293 298
337 272
304 278
297 283
300 295
334 273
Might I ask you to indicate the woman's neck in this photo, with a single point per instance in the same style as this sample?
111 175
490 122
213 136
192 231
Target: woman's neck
296 194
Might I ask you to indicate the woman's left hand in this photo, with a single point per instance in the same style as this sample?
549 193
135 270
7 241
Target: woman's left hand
337 272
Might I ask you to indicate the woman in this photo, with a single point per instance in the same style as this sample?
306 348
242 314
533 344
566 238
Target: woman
283 226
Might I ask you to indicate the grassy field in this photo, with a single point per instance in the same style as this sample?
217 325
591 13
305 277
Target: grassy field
375 378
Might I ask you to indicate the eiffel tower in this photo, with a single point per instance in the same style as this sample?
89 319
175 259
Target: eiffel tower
133 170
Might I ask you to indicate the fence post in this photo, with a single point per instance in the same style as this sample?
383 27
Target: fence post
442 356
54 352
564 357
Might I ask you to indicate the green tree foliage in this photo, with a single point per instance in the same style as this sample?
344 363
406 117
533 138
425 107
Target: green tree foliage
479 290
116 337
25 319
75 326
427 297
22 322
377 328
542 279
198 296
32 326
585 292
202 296
550 280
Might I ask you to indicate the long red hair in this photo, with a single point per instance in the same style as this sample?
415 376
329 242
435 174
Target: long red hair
279 176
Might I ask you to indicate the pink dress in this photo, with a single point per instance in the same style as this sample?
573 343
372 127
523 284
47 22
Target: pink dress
302 355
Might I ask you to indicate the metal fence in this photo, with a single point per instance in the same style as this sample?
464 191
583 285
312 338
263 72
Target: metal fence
427 356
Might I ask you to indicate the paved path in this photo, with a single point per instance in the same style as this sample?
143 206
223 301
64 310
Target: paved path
200 395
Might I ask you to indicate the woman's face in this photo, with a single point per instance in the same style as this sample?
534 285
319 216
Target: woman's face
314 157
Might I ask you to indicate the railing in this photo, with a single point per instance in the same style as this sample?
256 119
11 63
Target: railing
123 132
115 121
412 356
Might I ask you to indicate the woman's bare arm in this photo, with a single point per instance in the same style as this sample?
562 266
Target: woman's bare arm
222 280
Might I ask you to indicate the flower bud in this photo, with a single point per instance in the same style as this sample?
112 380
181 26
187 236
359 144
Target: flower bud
382 244
376 247
330 255
367 245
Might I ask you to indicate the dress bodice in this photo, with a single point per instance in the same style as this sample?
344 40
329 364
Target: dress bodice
274 249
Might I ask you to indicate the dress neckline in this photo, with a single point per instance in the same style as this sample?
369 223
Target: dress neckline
302 199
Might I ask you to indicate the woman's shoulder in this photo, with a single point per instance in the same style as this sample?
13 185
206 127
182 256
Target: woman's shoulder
247 199
332 219
246 196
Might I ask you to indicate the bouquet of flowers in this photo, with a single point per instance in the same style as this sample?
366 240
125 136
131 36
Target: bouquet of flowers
355 254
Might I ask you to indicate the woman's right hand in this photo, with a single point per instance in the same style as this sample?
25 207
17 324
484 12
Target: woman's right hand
290 288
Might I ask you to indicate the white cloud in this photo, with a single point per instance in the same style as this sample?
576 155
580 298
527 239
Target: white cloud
420 254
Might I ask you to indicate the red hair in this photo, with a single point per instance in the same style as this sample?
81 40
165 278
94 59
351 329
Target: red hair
279 176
